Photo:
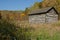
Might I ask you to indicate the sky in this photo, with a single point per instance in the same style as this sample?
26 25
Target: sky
16 4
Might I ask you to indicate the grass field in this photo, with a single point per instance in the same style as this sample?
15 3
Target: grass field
44 31
33 31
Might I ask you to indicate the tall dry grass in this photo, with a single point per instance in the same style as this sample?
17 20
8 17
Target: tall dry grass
49 31
45 31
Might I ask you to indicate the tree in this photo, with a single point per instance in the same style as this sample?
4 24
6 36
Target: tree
27 10
36 5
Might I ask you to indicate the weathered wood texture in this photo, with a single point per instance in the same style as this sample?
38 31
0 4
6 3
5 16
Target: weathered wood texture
37 18
49 17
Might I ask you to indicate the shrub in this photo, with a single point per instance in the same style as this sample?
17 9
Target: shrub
7 30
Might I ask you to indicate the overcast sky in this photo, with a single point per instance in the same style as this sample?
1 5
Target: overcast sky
16 4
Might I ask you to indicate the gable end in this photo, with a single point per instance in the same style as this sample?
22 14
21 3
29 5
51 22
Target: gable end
53 9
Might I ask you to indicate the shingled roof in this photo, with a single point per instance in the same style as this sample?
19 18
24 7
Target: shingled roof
42 11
